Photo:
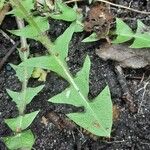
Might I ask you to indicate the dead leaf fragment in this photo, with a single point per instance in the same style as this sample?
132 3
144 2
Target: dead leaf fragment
98 20
125 56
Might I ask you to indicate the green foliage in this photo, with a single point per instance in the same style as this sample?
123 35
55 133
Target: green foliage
36 25
28 4
20 140
17 97
92 38
62 42
57 62
124 33
1 4
21 122
77 93
63 12
20 72
30 31
97 117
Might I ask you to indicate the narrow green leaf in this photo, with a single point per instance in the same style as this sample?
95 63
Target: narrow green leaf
30 31
92 38
123 31
17 97
21 122
66 13
62 42
21 140
82 77
97 117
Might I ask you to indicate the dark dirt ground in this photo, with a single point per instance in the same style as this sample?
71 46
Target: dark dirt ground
130 130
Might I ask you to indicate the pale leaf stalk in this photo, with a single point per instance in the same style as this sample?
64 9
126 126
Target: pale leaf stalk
25 51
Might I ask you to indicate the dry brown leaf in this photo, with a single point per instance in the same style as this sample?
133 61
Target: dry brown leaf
125 56
98 20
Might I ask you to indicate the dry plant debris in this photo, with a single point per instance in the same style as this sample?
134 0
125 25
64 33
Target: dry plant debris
126 57
98 20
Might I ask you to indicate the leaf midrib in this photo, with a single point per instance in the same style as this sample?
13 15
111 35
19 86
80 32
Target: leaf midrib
48 44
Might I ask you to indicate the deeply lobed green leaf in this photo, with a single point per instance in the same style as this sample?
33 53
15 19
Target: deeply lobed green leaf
54 63
125 33
97 117
45 62
92 119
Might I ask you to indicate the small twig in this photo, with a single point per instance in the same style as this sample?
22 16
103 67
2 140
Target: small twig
7 36
143 95
4 59
124 7
116 5
71 1
123 83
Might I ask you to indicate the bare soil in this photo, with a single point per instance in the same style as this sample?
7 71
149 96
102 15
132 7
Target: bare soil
130 130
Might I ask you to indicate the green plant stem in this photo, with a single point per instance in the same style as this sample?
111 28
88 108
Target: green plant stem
24 50
48 45
45 41
27 15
